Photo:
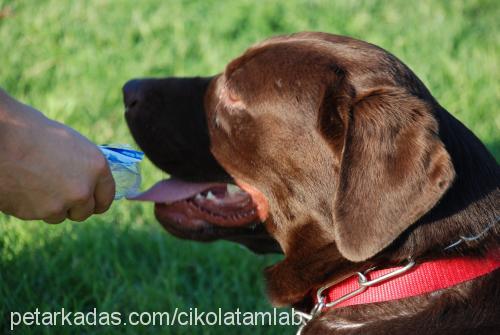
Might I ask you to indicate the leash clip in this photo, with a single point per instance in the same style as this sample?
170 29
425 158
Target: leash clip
305 317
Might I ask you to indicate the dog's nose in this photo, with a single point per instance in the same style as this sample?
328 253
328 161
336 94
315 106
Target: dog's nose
131 93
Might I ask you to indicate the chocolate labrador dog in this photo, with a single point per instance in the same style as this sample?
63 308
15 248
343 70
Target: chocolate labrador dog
332 151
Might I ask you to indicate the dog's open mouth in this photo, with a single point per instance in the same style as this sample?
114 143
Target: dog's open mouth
192 204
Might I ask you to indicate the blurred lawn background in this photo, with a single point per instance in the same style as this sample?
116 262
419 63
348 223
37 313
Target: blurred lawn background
70 59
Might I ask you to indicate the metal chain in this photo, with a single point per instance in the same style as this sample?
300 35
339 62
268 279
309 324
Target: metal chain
463 239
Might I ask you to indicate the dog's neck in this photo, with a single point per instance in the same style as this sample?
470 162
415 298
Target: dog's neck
467 208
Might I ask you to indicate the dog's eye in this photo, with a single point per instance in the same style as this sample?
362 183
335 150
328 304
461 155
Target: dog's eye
232 100
232 97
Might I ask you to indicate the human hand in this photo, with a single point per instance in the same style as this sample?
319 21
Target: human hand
47 170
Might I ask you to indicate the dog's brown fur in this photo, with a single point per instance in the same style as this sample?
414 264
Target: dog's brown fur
361 166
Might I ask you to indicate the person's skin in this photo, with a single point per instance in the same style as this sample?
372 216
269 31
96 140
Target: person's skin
47 170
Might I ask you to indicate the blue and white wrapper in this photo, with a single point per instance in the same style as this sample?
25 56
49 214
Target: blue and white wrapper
124 165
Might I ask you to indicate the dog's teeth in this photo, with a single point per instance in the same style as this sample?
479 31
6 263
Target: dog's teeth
232 189
199 197
210 195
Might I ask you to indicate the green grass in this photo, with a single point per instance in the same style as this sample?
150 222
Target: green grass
70 59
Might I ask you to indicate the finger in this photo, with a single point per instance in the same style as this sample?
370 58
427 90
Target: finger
56 218
104 193
82 211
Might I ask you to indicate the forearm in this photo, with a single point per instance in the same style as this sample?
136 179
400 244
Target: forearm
11 121
3 106
4 117
11 110
14 119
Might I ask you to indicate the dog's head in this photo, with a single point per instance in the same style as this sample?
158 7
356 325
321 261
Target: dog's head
330 140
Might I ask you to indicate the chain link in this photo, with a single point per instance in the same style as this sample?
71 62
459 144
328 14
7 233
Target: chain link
364 284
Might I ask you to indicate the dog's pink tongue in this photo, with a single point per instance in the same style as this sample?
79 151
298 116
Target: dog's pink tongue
172 190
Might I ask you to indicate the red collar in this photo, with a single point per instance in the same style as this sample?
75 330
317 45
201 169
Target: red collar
408 281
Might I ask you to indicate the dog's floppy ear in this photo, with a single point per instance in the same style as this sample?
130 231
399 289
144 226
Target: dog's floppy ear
393 169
